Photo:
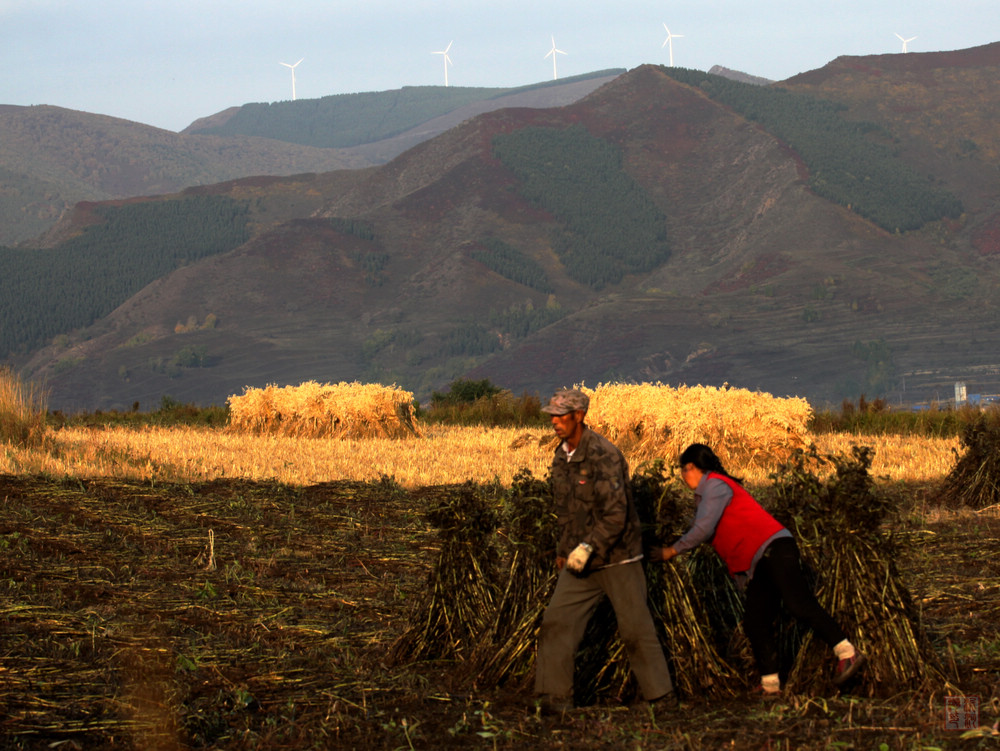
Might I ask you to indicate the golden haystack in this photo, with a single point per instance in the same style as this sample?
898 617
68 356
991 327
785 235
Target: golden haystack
745 428
314 410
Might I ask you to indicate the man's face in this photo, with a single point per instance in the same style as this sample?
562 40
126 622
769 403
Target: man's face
566 426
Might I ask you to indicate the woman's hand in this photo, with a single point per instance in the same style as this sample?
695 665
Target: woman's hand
668 553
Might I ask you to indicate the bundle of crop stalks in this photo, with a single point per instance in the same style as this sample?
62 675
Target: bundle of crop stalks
22 411
314 410
509 573
506 649
462 593
681 598
842 536
975 480
748 428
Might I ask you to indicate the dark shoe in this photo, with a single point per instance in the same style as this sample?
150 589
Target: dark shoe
554 705
759 692
847 669
658 710
666 703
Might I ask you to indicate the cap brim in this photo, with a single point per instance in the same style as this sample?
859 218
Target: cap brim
556 410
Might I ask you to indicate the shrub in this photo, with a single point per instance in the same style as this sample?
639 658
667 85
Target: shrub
22 411
313 410
469 402
876 418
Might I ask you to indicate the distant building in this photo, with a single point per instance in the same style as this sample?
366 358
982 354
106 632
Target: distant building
960 394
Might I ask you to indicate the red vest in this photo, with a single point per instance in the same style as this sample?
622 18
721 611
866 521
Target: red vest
743 528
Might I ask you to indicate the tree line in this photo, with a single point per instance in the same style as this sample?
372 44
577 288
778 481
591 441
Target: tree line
610 227
477 338
48 292
850 162
510 263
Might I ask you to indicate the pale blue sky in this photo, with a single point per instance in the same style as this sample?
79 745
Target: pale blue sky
168 62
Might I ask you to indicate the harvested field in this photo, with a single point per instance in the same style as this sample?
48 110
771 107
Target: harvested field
234 614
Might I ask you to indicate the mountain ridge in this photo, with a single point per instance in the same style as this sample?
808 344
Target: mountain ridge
52 157
767 286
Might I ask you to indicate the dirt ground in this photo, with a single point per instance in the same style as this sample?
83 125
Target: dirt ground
238 615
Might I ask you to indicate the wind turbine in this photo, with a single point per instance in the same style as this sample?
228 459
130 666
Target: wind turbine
293 75
447 60
670 40
904 41
554 52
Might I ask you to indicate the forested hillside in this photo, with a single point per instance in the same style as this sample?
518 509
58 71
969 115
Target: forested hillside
49 292
511 263
608 227
851 163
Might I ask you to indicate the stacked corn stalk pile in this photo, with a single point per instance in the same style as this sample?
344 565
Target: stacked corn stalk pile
683 599
841 532
975 480
22 411
506 649
748 428
314 410
463 588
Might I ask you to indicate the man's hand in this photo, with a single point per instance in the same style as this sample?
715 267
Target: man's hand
577 560
560 562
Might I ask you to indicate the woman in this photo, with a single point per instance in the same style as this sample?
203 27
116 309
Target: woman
763 558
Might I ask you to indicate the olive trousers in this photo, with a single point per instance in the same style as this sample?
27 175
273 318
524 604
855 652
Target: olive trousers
566 617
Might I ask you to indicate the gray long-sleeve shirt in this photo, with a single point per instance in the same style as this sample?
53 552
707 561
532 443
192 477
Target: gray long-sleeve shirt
711 498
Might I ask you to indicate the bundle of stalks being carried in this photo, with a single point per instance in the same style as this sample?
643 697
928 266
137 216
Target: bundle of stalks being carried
841 531
975 480
750 428
682 598
314 410
508 573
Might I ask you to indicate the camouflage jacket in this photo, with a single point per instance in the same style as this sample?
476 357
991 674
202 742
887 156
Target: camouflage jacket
593 501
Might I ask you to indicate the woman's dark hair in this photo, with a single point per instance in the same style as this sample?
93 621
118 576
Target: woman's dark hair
705 459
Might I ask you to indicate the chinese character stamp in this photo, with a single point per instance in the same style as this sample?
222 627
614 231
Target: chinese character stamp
961 712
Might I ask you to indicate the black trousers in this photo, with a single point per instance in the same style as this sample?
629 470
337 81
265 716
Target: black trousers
779 579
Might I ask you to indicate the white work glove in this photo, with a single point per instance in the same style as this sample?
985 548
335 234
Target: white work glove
578 558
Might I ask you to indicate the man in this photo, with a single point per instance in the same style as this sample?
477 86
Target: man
598 554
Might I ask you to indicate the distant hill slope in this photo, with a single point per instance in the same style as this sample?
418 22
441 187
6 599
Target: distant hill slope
940 106
736 75
345 120
450 260
50 157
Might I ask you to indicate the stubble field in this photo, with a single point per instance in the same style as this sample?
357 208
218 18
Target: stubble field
181 588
